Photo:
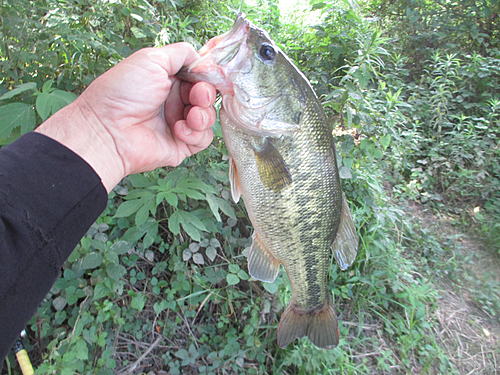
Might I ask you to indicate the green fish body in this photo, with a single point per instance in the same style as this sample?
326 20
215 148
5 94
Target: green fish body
283 164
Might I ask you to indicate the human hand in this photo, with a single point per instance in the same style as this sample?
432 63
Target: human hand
138 116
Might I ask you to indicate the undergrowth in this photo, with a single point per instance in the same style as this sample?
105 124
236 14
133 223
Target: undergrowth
163 271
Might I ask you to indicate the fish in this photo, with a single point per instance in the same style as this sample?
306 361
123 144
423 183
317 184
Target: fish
282 162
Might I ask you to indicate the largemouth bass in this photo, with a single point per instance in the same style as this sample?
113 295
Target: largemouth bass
283 164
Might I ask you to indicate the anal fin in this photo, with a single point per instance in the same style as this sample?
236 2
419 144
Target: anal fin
261 264
345 245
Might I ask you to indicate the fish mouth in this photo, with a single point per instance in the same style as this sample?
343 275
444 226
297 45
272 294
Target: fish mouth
220 56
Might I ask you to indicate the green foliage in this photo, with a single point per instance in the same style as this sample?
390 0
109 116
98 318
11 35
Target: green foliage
167 258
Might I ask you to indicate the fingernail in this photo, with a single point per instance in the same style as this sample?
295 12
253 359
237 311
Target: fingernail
187 130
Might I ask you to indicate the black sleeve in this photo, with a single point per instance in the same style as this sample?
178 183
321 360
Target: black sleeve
49 197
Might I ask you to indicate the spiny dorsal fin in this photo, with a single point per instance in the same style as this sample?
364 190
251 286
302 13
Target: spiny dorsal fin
273 171
345 246
234 181
261 264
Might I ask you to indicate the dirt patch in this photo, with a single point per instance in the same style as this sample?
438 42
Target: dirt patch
468 334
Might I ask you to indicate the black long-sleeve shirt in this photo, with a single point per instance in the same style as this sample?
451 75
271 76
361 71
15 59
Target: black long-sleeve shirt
49 197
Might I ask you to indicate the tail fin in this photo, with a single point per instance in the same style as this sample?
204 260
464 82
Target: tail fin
319 325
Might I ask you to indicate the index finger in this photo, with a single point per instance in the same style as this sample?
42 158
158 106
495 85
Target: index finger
174 56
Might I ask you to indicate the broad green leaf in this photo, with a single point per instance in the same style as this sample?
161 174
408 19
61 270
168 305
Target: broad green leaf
115 271
191 218
186 255
198 258
121 247
385 141
138 33
211 253
234 268
50 103
213 206
174 223
138 302
18 90
143 213
270 287
192 231
100 291
140 181
128 208
59 303
214 242
92 260
15 115
226 207
81 349
232 279
47 86
345 172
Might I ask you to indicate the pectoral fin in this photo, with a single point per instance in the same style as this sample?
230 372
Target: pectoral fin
273 171
345 246
261 264
234 181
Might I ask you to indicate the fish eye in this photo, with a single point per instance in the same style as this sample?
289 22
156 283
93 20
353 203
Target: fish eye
267 53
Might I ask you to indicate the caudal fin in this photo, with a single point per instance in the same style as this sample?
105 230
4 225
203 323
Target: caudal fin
320 326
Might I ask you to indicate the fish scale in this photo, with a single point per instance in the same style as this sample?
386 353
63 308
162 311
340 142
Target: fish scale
283 164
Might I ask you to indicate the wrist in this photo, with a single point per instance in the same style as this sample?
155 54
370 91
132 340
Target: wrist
77 127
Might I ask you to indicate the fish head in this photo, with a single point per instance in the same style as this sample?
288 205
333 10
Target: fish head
262 90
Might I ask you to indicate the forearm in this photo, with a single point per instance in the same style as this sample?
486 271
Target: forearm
49 197
76 127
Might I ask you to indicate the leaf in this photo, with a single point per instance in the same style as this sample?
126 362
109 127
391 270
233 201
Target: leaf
192 231
214 242
211 253
100 291
92 260
121 247
243 275
270 287
43 106
186 255
149 255
345 172
140 181
128 208
171 199
234 268
182 354
198 258
15 115
232 279
174 223
385 141
143 213
194 247
138 33
19 89
59 303
213 206
115 271
138 302
191 218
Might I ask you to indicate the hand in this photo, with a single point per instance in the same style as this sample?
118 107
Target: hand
138 116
